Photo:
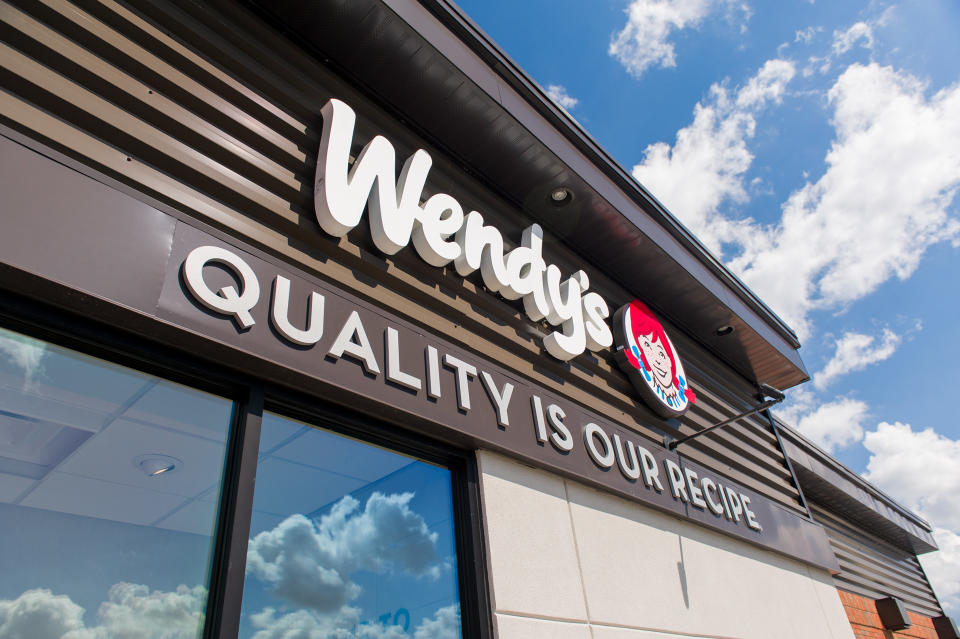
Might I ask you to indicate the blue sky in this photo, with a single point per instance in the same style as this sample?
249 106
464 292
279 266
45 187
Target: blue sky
815 148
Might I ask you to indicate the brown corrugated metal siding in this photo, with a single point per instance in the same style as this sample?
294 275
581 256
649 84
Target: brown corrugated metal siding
218 117
874 568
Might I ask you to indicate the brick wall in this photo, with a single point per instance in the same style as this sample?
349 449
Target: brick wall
862 613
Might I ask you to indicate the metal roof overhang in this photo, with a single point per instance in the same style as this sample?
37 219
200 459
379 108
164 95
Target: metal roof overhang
430 66
831 484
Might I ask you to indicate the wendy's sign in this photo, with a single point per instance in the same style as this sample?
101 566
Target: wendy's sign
648 357
444 234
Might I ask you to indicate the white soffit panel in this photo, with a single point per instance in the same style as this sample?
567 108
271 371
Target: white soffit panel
197 517
169 405
296 488
12 486
103 500
343 456
109 456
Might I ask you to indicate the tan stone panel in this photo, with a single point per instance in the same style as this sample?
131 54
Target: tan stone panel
532 558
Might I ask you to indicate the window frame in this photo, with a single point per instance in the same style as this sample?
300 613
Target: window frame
251 396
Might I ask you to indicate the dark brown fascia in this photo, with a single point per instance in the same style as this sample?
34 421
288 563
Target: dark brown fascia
829 482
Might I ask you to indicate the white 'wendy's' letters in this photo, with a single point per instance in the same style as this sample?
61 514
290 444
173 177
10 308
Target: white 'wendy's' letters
441 233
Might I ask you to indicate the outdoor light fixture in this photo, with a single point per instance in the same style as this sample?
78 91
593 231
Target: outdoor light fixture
153 465
775 397
560 196
946 628
725 330
893 614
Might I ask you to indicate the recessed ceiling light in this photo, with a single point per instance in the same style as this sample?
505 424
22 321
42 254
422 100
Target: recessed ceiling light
154 465
726 329
560 195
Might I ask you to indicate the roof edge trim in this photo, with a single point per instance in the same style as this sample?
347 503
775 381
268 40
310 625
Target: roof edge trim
843 481
482 45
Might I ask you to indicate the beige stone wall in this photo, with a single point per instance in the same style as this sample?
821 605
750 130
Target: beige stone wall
570 562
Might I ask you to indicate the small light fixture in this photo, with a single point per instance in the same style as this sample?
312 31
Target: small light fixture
154 465
893 614
725 330
946 628
560 196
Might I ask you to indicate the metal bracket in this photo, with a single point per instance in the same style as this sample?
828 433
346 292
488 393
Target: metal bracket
775 396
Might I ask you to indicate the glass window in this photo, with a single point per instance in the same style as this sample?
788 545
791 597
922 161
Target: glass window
347 540
109 490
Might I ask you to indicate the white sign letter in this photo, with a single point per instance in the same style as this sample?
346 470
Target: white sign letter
696 495
537 407
651 472
281 314
710 493
500 400
433 372
676 480
227 301
432 230
561 438
394 374
564 301
360 349
339 198
464 373
751 517
592 432
632 470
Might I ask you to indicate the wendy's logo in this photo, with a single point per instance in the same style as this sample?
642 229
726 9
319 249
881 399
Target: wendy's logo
648 357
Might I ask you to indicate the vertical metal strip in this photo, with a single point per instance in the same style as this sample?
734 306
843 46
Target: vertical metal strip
476 612
786 460
929 586
236 506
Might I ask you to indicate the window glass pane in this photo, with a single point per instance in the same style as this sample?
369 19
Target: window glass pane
109 491
347 540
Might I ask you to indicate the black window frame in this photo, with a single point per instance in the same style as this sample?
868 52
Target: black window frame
251 397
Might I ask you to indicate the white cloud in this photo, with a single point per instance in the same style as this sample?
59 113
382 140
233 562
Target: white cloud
131 611
301 624
707 163
920 469
558 93
800 400
831 425
856 351
301 565
445 624
816 63
306 624
892 173
806 35
644 41
768 85
39 614
891 178
24 352
309 563
843 41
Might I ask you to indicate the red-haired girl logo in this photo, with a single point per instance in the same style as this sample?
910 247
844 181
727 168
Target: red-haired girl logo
648 357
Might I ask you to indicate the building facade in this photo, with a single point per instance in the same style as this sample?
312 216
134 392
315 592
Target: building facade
319 319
